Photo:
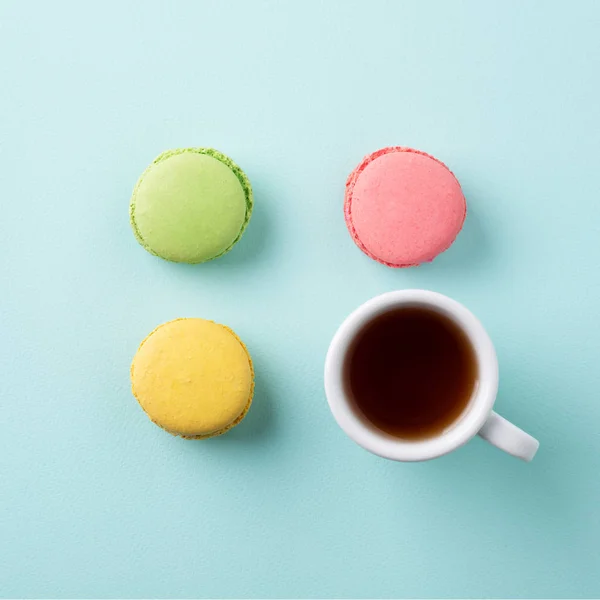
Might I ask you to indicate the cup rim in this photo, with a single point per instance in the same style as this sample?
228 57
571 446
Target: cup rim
379 442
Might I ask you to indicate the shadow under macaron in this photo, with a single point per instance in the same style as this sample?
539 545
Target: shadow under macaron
253 244
259 424
473 248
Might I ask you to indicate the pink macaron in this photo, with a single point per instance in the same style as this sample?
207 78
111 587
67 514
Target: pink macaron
403 207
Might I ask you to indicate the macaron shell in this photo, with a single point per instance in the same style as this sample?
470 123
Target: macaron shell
403 207
194 378
191 205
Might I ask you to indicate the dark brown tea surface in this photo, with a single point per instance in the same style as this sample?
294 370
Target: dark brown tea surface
412 372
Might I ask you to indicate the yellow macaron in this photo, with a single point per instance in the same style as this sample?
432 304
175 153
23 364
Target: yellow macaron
193 377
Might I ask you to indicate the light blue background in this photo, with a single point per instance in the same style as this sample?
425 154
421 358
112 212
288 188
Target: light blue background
97 502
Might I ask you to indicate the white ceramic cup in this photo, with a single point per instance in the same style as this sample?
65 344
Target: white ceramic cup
477 419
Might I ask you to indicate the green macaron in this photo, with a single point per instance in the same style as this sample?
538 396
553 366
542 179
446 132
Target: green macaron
191 205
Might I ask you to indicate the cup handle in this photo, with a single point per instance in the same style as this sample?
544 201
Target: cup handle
508 437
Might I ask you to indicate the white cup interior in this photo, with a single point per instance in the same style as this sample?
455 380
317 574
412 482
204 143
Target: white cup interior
361 429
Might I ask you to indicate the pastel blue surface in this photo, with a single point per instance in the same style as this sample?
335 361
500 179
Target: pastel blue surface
95 501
